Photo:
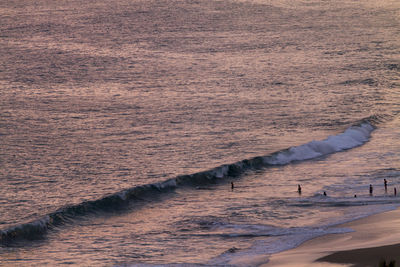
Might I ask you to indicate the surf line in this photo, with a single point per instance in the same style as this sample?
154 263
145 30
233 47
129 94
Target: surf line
353 136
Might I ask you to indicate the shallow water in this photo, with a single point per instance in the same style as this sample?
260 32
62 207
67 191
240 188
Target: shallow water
105 99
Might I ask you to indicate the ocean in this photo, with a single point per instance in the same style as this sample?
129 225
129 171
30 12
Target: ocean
177 132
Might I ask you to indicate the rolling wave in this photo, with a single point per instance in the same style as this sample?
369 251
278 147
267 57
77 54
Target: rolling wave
354 136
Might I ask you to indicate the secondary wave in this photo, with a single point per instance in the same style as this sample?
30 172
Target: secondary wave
354 136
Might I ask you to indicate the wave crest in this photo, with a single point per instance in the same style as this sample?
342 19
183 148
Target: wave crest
354 136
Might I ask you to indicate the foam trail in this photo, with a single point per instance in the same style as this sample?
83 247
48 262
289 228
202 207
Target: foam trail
261 250
352 137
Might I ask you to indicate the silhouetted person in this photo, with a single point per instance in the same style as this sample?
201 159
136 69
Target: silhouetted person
395 191
385 184
371 189
392 263
355 195
232 185
299 189
324 193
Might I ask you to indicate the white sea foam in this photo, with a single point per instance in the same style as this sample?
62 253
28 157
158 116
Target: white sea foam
170 183
352 137
281 239
221 172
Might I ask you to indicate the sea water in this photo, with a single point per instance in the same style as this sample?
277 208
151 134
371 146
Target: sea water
123 124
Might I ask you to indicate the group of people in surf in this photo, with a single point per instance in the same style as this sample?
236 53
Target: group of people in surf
371 189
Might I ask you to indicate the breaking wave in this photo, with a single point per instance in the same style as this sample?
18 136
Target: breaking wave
354 136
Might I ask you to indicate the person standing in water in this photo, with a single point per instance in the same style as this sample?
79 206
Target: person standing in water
371 189
385 184
299 189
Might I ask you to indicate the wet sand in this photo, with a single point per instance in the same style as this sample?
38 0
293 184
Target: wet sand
367 256
374 239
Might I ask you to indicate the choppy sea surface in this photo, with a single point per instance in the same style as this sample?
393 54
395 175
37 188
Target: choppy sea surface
123 124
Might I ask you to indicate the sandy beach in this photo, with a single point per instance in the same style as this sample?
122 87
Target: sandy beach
375 239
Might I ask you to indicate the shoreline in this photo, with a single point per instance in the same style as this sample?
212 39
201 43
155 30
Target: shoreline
375 238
